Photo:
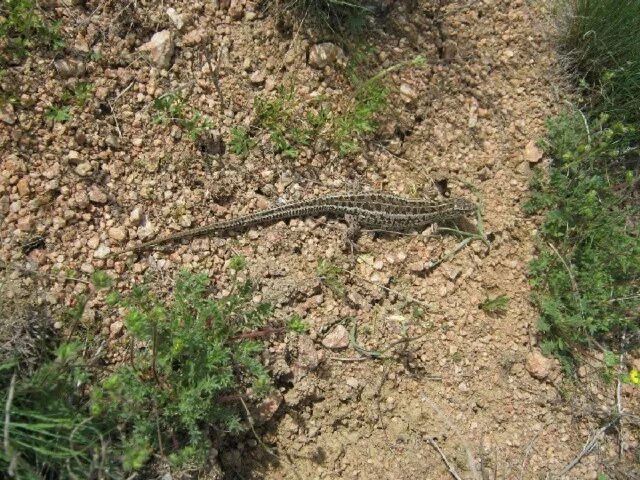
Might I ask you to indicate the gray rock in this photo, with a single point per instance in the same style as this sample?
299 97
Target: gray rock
175 17
70 68
257 78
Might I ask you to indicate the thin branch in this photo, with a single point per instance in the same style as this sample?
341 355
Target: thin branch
574 285
405 296
258 333
452 470
126 89
7 421
588 447
619 395
255 435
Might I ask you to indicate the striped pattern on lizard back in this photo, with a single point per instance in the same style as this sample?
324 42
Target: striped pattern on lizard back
375 211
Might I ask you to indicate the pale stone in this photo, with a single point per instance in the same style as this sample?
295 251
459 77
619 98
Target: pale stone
118 233
23 187
102 251
97 196
538 365
532 153
326 54
160 48
337 339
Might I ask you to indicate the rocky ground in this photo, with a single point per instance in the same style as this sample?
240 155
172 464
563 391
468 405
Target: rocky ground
469 383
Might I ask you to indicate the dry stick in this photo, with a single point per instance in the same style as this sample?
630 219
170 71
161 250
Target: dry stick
574 285
7 420
215 74
407 297
619 395
113 114
452 470
126 89
445 419
255 435
588 447
527 451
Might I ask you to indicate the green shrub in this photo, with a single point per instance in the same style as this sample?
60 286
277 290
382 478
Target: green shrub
292 125
349 15
48 431
587 272
497 304
186 358
600 42
23 28
172 108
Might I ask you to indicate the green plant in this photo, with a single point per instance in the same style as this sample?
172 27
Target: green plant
172 108
359 120
329 273
341 15
241 143
495 305
369 100
277 115
297 325
600 43
58 114
187 367
48 431
79 94
587 273
289 128
22 28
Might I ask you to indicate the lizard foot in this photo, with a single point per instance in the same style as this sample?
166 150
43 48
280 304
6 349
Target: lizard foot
352 233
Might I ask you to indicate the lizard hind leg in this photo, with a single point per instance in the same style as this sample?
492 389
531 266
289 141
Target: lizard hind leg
352 234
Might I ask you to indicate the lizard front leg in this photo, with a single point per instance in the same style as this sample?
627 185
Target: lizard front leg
352 233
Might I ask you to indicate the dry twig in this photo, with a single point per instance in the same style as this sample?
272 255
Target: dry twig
452 470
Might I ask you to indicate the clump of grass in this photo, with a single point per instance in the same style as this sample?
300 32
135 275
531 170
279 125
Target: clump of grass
278 116
600 41
191 362
172 108
497 304
289 127
330 273
22 28
189 356
47 428
587 273
336 15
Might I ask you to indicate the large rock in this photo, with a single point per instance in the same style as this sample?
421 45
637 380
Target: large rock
538 365
326 54
160 48
337 339
7 115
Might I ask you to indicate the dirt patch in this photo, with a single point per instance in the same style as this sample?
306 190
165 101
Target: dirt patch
111 176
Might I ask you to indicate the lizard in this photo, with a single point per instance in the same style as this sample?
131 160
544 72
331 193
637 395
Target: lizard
369 210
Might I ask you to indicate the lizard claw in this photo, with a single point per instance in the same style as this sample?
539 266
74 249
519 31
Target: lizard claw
352 233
